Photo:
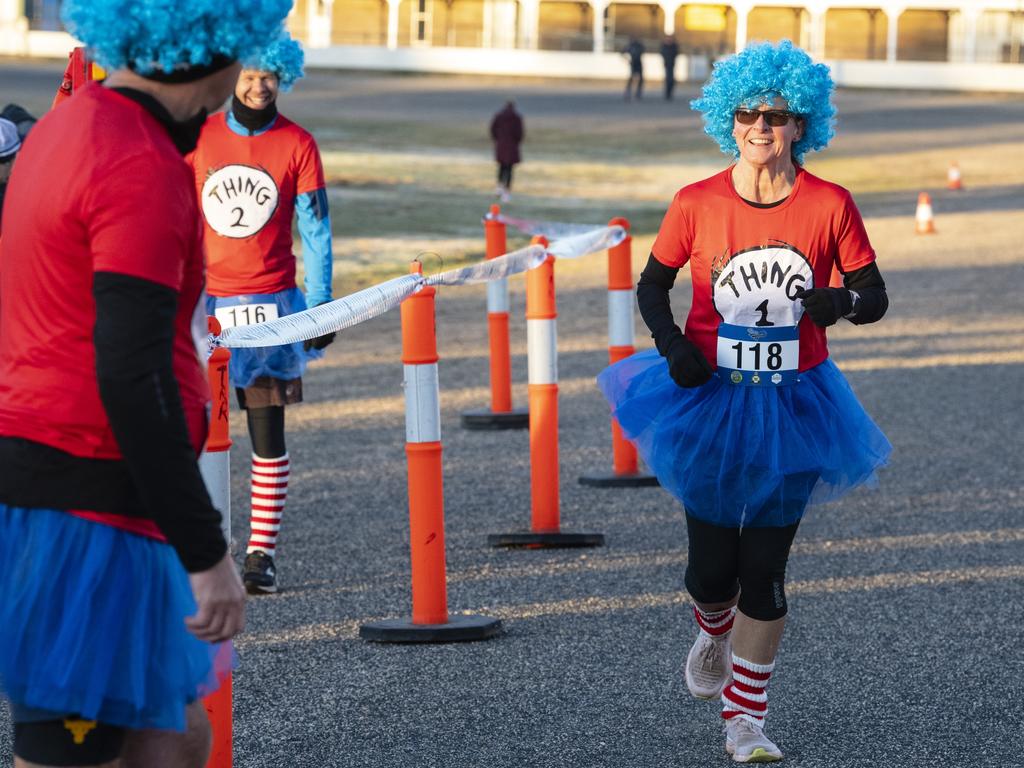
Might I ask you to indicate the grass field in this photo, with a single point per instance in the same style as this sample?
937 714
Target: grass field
410 171
902 599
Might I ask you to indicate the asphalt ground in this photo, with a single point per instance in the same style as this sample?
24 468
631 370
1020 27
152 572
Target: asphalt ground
903 646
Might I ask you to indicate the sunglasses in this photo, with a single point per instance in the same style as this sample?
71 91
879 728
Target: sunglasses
776 118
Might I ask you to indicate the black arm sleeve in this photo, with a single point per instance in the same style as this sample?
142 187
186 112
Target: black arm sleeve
134 337
869 285
652 298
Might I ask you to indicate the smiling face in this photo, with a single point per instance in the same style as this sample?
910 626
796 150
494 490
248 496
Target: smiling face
765 146
256 88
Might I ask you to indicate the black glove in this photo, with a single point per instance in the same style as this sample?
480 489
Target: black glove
320 342
686 364
826 305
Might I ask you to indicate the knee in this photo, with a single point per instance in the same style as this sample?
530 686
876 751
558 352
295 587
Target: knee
709 583
763 593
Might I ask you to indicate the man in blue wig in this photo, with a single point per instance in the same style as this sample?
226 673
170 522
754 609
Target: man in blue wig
255 170
119 592
742 416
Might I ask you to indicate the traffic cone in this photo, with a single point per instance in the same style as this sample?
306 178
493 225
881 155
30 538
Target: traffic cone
501 414
542 364
625 470
925 222
431 622
953 178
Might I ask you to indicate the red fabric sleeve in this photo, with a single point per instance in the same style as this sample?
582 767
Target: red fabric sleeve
310 175
145 224
675 237
853 247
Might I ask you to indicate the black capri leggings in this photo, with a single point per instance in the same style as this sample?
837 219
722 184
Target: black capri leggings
751 561
505 175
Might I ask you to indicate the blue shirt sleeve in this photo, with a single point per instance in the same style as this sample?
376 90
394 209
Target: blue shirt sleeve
314 223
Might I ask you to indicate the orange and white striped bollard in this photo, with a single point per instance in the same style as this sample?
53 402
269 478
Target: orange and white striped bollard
621 344
925 219
430 620
542 353
215 467
501 414
954 179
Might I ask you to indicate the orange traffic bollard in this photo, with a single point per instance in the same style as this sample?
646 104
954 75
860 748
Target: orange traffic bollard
79 71
501 414
954 179
430 620
219 709
925 219
542 351
625 464
215 466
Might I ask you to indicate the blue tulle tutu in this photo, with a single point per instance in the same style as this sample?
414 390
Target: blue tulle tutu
742 455
93 623
285 362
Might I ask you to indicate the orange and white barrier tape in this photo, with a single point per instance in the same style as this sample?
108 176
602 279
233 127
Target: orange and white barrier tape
378 299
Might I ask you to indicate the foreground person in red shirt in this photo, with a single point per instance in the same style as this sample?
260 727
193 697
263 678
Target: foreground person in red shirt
742 416
254 171
119 592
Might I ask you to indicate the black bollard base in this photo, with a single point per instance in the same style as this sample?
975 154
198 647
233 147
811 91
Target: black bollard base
484 418
458 629
612 480
546 540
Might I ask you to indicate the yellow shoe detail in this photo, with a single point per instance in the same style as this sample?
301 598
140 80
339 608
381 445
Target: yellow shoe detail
760 755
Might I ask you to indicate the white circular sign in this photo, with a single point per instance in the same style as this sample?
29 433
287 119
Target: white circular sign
757 287
238 200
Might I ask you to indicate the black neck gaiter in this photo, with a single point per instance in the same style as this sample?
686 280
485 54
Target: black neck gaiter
184 133
253 119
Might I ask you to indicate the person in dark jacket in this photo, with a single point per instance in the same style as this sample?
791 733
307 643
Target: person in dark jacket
635 53
507 132
669 52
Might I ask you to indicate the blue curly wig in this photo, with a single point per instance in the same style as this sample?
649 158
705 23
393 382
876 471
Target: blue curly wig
756 76
168 35
283 57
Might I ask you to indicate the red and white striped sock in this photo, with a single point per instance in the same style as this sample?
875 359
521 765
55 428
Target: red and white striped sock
747 695
269 491
715 623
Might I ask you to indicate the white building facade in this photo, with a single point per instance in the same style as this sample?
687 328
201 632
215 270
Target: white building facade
939 44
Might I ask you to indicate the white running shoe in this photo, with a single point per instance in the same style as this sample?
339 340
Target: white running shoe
709 665
747 743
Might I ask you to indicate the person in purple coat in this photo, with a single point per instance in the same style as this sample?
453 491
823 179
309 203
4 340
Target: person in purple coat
507 132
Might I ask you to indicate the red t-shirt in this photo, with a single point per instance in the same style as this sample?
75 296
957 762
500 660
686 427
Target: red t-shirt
247 187
117 197
746 263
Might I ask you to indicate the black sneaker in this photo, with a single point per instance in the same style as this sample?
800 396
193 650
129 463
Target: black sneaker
259 574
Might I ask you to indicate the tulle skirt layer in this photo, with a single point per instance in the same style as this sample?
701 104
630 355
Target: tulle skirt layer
92 623
746 456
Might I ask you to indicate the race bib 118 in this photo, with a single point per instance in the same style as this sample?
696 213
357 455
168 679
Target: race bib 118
758 356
